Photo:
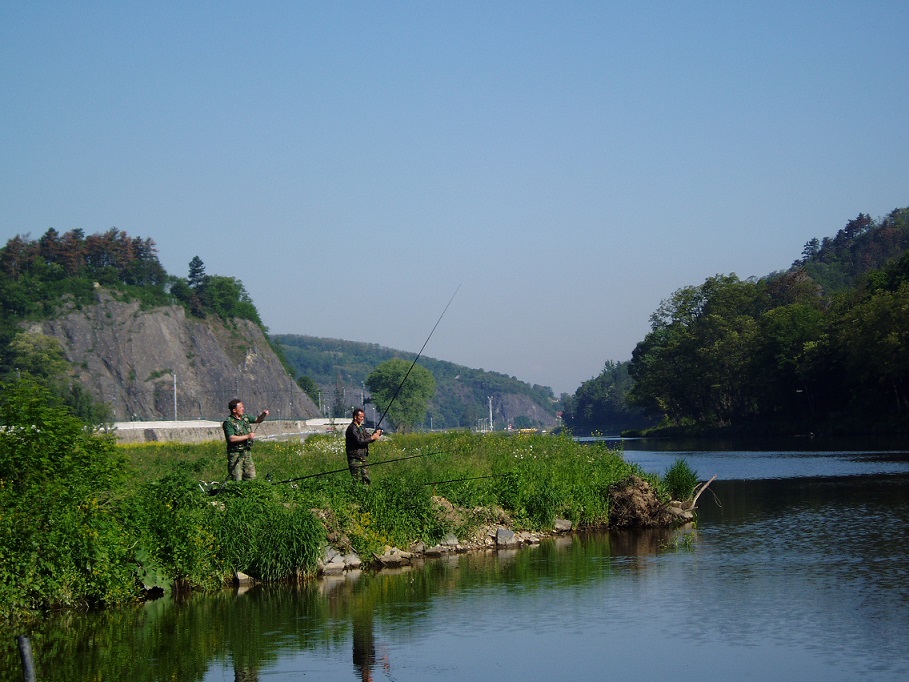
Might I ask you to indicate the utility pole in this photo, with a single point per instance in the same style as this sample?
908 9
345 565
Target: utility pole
175 395
489 398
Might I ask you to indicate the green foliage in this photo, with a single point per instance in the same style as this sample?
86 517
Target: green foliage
404 513
863 245
264 537
40 275
40 357
84 521
781 355
39 278
175 525
680 480
555 477
227 298
62 542
196 277
42 441
601 403
695 363
310 387
403 390
460 397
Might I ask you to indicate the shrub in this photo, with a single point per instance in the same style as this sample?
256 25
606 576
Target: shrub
680 480
62 542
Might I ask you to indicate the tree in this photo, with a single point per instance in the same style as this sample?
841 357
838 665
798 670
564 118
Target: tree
227 298
310 387
61 536
39 355
413 391
874 335
40 358
600 403
695 365
196 276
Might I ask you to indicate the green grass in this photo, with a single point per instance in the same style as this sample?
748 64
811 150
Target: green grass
154 526
534 479
680 480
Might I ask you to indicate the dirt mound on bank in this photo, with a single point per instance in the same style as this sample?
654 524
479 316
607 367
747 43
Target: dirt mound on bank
633 503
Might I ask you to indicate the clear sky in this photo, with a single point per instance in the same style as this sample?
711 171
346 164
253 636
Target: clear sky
568 164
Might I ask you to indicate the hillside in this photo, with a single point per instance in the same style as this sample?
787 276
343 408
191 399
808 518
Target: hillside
820 348
98 320
127 357
340 368
863 245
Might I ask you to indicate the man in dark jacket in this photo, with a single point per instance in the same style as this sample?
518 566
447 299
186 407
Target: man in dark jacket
357 440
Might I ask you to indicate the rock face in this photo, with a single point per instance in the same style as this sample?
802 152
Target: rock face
128 357
507 407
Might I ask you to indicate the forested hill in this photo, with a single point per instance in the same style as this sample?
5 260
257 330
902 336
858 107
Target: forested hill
839 262
820 348
462 393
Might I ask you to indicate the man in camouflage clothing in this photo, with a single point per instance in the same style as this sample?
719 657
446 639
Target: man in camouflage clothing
239 436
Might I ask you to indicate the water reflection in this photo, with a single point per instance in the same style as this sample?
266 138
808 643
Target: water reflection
785 577
783 461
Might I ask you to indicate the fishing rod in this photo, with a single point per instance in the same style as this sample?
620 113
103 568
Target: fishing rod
401 385
458 480
370 464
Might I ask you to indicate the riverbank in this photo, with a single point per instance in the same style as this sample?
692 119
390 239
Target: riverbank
128 521
634 503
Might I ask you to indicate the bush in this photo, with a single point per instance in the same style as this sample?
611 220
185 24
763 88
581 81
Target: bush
62 542
680 480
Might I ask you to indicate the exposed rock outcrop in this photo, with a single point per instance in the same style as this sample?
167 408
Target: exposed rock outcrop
127 357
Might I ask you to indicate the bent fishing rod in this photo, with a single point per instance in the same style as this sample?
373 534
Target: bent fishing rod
401 385
370 464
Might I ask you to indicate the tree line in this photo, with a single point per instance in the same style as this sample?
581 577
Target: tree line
821 347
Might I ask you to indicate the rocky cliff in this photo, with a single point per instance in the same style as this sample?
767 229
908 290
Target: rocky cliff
128 357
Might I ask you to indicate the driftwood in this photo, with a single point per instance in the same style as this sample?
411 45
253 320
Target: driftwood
699 490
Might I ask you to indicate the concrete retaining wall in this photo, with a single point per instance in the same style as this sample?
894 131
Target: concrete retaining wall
199 431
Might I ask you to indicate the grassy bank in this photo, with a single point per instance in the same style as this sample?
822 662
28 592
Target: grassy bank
96 521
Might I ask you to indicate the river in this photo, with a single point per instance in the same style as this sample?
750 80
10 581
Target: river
798 569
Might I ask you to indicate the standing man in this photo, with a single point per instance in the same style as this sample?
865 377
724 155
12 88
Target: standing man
239 436
357 440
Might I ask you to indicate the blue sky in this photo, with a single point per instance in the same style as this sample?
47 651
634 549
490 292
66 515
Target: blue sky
569 165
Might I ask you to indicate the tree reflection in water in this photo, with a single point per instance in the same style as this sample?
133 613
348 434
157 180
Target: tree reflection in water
262 628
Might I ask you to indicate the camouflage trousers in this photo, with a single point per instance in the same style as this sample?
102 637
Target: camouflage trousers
358 469
240 466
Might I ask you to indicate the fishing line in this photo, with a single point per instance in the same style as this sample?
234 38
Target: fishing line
381 419
458 480
370 464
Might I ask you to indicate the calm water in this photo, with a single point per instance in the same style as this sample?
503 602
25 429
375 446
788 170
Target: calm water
799 569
